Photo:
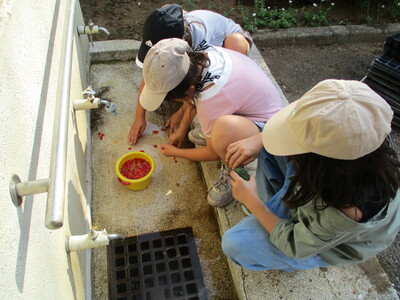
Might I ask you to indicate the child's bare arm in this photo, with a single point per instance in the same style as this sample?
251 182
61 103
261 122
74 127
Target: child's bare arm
139 124
205 153
177 135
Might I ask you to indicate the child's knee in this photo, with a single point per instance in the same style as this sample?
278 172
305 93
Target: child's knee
230 245
236 42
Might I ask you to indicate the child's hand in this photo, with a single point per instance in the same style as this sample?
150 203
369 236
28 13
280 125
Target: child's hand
168 150
136 131
243 151
176 138
174 121
242 190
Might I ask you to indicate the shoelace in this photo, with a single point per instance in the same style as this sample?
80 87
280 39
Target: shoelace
223 177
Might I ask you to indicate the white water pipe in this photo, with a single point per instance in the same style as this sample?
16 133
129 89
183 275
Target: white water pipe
86 104
93 239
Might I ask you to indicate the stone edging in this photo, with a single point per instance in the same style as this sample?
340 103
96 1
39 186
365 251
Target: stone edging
124 50
325 35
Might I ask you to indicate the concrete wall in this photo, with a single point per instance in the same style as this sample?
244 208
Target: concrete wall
33 261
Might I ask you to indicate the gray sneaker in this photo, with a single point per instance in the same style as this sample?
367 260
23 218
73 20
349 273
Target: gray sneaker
197 137
220 193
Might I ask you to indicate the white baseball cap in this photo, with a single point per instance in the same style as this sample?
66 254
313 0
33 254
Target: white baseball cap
165 66
341 119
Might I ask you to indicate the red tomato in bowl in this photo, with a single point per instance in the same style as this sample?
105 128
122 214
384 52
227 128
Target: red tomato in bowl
135 168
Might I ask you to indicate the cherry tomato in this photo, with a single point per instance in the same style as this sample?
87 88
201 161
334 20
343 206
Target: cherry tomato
135 168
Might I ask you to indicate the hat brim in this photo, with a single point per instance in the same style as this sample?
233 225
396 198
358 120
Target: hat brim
277 139
143 49
150 100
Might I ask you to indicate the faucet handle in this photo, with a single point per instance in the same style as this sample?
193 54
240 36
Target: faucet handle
89 92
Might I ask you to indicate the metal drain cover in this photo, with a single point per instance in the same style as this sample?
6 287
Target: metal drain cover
155 266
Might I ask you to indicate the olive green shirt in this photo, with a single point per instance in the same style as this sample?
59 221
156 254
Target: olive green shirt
336 238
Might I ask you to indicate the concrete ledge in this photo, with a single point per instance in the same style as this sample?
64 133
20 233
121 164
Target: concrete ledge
324 35
114 50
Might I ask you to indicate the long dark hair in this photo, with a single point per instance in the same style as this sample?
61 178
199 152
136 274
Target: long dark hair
198 61
344 183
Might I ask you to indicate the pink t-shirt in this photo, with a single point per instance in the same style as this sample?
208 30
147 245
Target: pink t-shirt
240 88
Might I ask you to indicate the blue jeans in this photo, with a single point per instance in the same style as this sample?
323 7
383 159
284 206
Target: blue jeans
248 243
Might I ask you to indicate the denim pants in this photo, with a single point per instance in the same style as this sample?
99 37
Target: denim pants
248 243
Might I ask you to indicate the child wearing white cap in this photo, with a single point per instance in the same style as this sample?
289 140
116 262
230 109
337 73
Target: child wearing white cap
231 93
326 191
200 28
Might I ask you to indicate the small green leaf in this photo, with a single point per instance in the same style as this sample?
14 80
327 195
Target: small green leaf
242 172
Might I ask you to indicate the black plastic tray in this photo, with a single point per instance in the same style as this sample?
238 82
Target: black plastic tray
388 65
392 98
392 46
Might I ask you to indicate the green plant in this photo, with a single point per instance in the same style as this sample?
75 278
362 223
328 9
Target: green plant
380 12
230 13
376 10
189 5
242 172
316 16
267 17
104 9
394 10
210 6
247 21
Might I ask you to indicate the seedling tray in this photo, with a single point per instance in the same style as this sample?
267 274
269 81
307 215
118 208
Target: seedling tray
388 65
388 94
392 46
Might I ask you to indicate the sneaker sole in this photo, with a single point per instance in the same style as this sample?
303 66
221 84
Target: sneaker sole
200 142
220 204
246 211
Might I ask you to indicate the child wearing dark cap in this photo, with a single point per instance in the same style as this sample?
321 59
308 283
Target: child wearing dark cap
200 28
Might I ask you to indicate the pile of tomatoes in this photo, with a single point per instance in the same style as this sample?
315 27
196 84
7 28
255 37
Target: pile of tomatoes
135 168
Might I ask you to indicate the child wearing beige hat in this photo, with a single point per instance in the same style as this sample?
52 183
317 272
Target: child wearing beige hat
326 191
201 29
232 95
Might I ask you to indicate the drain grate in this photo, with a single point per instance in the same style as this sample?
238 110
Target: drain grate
155 266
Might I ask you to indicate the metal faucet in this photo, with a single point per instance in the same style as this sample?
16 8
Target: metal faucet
89 92
104 30
110 106
91 102
91 29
